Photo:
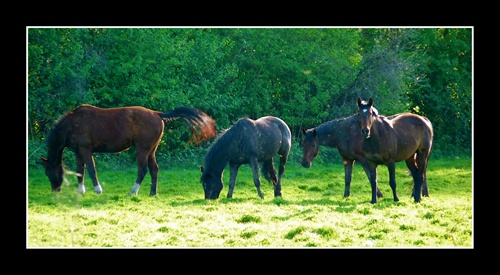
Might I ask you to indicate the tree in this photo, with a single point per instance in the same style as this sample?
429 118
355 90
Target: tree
305 76
443 89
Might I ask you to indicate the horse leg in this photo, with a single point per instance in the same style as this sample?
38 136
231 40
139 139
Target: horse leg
391 166
269 172
419 177
233 172
371 173
412 166
422 160
88 160
273 176
254 163
153 171
281 171
80 170
142 169
348 176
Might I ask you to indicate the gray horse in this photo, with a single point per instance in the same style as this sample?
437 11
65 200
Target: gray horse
247 142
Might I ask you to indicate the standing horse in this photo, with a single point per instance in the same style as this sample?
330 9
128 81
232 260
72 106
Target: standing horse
372 139
247 142
88 129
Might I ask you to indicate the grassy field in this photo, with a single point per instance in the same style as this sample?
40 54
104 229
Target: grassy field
311 214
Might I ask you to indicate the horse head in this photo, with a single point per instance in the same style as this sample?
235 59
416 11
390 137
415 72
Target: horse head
310 147
55 173
212 186
366 116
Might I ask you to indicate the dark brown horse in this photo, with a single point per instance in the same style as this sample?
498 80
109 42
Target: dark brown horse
372 139
88 129
247 142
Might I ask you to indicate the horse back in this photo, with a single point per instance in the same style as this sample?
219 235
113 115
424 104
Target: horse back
113 129
262 138
412 129
276 130
412 123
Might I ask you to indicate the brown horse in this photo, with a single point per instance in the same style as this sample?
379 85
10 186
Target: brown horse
88 129
373 139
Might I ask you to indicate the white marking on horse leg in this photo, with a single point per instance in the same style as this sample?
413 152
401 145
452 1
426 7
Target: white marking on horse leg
98 189
81 188
135 189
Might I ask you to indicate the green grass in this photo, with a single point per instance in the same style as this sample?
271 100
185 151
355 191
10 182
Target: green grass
312 212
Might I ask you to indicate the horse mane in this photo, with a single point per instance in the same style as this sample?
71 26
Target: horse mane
58 124
219 149
57 131
329 125
224 139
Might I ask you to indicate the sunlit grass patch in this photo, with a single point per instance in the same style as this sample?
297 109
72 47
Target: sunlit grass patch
312 212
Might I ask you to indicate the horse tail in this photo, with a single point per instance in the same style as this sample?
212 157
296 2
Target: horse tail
201 125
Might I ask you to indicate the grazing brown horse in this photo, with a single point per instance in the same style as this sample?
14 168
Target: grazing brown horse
88 129
372 139
247 142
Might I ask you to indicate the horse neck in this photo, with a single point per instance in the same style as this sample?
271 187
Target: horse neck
330 133
379 124
216 159
55 149
224 146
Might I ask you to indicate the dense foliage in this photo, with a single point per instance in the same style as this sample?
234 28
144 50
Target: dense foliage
305 76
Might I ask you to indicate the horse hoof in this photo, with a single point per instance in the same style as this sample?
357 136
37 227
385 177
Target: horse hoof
98 189
135 189
81 189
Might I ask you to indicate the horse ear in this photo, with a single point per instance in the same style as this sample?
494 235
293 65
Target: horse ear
201 169
359 101
370 101
304 131
314 132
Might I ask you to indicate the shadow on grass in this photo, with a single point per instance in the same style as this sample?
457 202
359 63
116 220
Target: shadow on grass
74 200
